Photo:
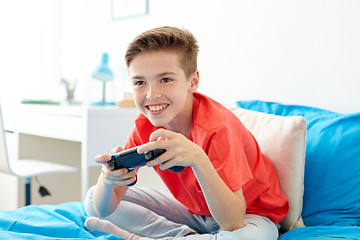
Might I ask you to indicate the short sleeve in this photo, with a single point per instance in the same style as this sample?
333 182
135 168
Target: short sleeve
226 151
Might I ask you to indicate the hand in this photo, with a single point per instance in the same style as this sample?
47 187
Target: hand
121 177
180 151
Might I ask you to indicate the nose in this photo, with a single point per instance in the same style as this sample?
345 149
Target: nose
153 92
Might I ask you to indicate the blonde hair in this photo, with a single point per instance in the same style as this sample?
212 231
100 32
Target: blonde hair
167 38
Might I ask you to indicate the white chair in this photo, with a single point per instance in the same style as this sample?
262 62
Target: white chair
26 168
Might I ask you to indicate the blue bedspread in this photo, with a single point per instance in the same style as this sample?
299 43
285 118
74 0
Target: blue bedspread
66 221
45 222
323 233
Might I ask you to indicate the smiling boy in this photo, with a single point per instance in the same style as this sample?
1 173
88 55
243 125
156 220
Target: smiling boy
228 189
159 86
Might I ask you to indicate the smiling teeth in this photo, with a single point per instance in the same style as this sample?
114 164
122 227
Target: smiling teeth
157 108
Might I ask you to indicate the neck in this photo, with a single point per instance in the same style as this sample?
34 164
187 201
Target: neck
183 123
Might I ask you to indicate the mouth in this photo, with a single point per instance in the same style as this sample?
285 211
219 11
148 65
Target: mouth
156 107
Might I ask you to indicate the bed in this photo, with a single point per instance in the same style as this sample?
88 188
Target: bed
321 153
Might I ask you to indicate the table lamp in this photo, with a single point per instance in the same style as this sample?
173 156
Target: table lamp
104 74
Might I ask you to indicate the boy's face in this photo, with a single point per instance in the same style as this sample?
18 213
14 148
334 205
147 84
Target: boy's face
161 90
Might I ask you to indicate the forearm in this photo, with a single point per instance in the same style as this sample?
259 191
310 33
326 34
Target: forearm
227 208
106 196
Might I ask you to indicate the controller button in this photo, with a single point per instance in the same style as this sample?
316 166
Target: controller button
111 166
149 155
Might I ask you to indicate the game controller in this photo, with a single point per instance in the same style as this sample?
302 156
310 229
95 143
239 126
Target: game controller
131 159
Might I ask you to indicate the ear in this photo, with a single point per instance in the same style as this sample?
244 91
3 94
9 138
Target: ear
194 81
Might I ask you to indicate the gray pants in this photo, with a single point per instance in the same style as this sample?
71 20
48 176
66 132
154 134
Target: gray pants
157 214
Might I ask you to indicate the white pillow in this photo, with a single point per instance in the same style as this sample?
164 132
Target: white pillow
282 140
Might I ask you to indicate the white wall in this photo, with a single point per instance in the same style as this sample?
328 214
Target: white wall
296 52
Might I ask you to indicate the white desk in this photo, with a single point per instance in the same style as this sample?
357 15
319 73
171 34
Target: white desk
98 129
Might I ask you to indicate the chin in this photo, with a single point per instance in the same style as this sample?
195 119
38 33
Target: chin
157 123
157 120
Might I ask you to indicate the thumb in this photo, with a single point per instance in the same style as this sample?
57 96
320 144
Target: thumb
102 158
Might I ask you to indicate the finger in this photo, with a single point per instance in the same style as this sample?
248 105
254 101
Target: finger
160 143
169 164
122 181
165 165
161 138
133 183
161 134
126 182
116 150
148 146
165 157
116 173
102 158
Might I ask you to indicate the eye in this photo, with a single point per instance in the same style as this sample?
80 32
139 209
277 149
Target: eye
139 83
166 80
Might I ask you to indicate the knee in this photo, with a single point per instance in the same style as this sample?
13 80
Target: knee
250 234
256 228
88 203
255 233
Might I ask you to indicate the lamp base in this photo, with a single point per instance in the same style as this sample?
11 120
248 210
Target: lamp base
102 103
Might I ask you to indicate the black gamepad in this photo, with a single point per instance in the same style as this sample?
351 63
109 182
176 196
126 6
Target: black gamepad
131 159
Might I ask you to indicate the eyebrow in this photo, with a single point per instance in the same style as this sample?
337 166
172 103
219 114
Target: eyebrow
166 73
137 77
158 75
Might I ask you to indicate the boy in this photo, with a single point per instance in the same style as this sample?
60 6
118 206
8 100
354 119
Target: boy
228 189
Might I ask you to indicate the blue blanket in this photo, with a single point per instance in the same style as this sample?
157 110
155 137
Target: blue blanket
66 221
323 233
45 222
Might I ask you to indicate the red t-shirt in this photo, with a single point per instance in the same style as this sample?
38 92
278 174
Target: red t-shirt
234 153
